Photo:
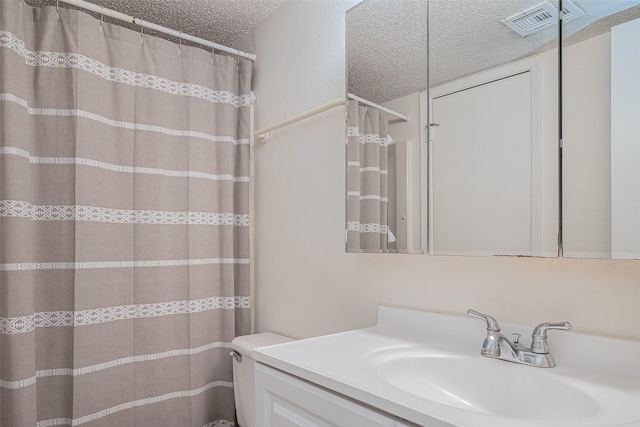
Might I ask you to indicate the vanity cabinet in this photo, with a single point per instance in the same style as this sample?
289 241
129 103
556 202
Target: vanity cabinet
283 400
415 368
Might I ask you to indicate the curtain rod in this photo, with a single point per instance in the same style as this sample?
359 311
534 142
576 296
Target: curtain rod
379 107
265 133
137 21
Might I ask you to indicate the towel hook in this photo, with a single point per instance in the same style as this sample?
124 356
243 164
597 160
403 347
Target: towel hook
180 44
213 54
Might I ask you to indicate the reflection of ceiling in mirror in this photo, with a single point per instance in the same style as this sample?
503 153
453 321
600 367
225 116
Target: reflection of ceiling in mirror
386 48
467 36
600 23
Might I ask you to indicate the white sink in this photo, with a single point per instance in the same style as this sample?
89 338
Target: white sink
475 383
468 381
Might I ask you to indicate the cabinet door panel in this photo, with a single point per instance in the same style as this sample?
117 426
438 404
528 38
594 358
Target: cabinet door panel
482 169
284 401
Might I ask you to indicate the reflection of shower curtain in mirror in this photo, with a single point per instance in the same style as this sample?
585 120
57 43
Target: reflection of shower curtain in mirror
124 241
367 203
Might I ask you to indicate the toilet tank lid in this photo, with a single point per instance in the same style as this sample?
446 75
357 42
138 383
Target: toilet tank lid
246 343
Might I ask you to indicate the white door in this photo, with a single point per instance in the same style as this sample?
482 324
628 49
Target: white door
482 157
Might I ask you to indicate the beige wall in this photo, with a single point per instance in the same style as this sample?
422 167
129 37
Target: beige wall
306 285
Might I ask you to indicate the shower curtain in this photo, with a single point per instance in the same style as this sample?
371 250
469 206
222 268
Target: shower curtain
124 240
367 177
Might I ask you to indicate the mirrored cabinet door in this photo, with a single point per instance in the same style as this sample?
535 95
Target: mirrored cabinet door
493 128
386 44
601 131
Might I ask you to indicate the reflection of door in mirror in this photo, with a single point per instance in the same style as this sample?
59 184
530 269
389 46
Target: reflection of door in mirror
486 151
479 125
601 133
399 157
493 131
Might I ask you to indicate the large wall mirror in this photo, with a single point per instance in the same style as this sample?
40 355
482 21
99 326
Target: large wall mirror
475 170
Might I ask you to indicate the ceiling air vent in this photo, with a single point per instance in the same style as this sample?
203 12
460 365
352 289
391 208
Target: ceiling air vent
570 11
538 17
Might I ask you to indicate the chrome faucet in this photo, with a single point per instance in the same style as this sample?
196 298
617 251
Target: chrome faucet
498 346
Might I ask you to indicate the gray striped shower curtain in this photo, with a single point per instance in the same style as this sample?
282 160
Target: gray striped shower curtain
367 227
124 238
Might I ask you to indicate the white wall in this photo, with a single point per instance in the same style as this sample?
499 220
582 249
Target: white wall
306 284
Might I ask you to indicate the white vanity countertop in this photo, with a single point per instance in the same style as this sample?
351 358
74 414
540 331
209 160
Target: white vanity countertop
348 363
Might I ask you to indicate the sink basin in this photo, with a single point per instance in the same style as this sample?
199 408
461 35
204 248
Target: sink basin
492 387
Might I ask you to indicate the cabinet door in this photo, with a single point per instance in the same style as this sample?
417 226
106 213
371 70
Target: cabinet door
482 170
285 401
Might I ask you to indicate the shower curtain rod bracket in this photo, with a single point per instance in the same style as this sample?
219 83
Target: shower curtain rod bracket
264 137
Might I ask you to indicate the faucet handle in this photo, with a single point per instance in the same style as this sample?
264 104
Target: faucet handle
492 324
542 328
539 336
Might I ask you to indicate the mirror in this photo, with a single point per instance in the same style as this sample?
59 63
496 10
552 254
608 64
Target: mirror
386 45
601 106
429 208
491 199
493 128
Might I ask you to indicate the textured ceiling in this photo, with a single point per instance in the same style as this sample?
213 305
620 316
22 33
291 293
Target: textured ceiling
220 21
386 48
386 40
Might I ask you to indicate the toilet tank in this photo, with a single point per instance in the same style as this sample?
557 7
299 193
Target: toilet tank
244 372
